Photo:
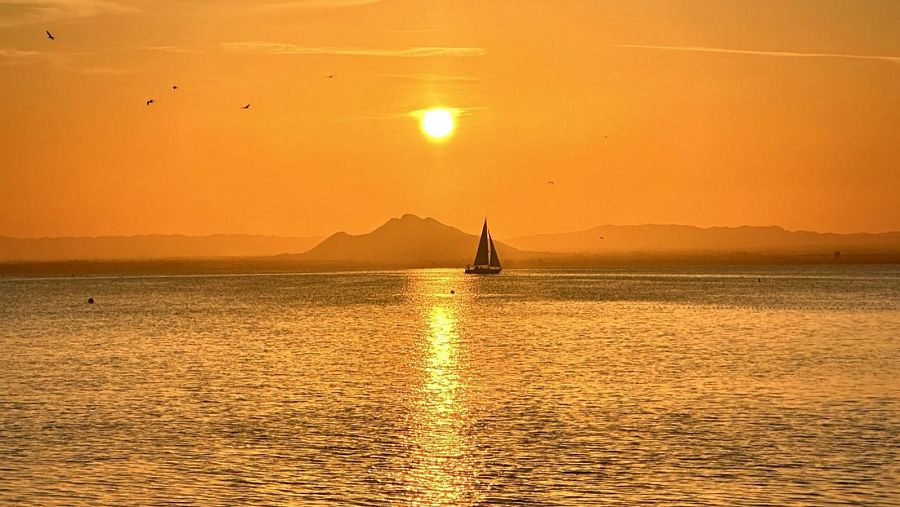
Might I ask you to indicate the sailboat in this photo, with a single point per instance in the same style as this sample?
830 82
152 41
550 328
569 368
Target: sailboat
486 260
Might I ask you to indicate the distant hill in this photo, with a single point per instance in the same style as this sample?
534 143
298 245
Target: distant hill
154 246
408 241
685 238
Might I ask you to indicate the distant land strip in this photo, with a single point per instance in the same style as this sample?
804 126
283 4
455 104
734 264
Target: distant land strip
410 241
286 264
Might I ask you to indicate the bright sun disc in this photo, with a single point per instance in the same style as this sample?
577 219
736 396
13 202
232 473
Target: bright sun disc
437 123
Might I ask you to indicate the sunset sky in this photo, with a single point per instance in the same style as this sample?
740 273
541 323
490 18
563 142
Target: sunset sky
695 112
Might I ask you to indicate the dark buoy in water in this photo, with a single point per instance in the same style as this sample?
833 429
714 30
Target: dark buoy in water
452 291
90 301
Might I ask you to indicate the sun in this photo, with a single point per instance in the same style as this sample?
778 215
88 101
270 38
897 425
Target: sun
438 123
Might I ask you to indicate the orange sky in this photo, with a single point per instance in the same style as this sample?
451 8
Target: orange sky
697 112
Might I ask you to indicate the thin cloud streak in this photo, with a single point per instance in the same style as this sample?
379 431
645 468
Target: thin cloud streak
164 49
783 54
62 61
275 48
313 4
13 57
17 12
395 116
430 78
455 111
17 53
414 30
100 70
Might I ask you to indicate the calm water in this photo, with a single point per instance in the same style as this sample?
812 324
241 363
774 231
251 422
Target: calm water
534 387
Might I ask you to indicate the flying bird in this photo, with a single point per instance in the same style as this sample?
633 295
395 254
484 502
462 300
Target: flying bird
246 107
50 35
174 87
330 76
551 183
151 101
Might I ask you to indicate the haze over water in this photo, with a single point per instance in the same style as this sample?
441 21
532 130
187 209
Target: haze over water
724 386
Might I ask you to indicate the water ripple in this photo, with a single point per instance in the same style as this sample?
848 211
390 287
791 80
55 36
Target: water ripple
763 386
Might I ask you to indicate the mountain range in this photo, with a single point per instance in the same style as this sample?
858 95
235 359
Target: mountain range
685 238
411 242
152 246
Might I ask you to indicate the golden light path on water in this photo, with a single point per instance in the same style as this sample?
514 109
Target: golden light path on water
706 387
442 471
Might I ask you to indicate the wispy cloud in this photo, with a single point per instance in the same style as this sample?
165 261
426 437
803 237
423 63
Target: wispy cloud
10 57
16 12
313 4
99 70
15 54
379 117
393 31
414 30
276 48
63 61
434 78
164 49
783 54
455 111
417 114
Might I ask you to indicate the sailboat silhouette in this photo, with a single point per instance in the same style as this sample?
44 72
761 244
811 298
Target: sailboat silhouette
487 262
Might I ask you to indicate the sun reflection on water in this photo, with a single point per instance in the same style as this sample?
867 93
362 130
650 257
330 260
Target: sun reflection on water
442 471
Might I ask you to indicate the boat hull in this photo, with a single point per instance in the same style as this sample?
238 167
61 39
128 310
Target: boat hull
483 270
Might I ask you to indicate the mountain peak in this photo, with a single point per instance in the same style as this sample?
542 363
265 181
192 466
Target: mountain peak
407 241
409 223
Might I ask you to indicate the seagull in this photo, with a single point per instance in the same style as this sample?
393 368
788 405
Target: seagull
246 107
551 182
50 35
174 87
151 101
330 76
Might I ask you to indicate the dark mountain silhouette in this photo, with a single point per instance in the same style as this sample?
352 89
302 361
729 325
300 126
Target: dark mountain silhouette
408 241
413 242
685 238
154 246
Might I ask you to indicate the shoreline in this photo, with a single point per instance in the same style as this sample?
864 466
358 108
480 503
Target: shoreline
280 265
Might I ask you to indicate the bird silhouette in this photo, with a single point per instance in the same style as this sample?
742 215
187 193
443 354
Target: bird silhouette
151 101
174 87
330 76
246 107
551 183
50 35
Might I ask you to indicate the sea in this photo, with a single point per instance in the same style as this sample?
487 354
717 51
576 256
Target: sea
680 386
